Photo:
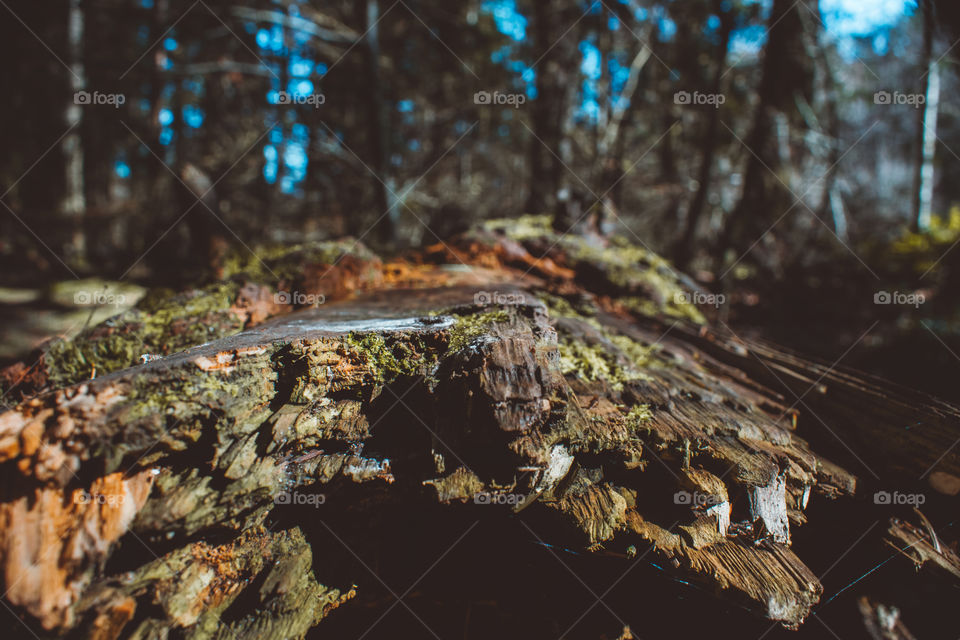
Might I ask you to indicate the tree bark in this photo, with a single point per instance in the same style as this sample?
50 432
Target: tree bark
612 142
385 203
684 249
926 127
564 398
554 59
75 204
786 75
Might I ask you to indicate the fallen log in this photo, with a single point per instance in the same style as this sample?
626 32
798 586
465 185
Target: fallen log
511 373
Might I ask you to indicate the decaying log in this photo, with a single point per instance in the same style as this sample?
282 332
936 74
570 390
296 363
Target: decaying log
885 428
572 383
923 547
247 291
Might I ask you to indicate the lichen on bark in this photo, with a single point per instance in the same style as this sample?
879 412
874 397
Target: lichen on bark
536 382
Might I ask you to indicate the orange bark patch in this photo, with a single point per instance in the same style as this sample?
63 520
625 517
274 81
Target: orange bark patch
349 275
50 540
226 360
110 622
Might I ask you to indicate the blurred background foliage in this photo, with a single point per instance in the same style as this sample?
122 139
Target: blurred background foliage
817 179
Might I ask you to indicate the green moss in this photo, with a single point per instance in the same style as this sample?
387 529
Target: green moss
920 252
178 412
562 308
468 328
638 415
645 282
285 263
593 362
70 361
633 269
584 361
389 358
160 325
527 227
653 309
636 353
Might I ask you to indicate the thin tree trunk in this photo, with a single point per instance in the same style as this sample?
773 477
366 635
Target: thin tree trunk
830 209
929 148
611 144
684 249
786 76
831 205
926 128
543 186
384 201
75 204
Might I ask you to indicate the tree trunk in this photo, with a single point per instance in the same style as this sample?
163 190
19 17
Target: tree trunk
684 249
786 76
348 418
554 59
611 144
75 204
926 127
385 205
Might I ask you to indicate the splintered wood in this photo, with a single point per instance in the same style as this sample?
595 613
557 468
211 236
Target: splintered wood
511 366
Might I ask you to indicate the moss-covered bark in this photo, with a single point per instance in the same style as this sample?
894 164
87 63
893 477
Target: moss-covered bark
572 386
251 289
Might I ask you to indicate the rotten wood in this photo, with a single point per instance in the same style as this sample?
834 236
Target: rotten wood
570 382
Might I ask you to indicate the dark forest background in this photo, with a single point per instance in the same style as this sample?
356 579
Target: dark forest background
796 159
